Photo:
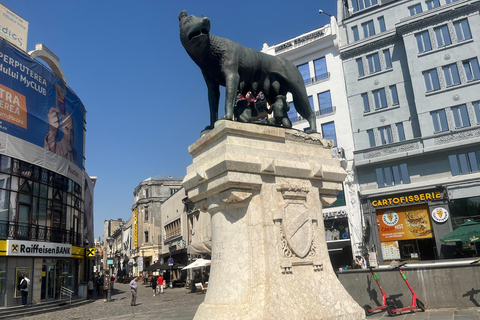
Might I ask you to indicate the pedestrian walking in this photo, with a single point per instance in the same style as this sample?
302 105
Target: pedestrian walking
154 285
24 284
160 283
90 289
133 288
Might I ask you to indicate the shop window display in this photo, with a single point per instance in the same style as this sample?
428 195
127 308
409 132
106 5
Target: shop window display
336 229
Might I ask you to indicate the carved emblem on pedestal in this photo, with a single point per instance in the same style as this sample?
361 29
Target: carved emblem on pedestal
296 223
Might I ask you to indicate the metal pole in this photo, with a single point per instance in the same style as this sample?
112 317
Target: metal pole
109 293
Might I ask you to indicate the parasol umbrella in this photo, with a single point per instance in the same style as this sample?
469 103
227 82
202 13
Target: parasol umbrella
468 232
198 264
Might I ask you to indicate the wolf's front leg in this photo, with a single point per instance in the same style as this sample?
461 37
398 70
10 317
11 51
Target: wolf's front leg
231 86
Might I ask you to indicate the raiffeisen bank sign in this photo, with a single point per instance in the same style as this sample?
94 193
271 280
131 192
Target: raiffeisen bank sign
38 249
13 28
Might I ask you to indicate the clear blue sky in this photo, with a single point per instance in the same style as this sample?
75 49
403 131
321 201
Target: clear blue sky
146 100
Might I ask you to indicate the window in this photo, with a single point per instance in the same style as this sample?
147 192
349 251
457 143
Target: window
423 41
356 37
305 71
325 102
146 214
388 58
432 4
431 80
393 92
362 4
146 236
381 23
368 29
451 74
292 113
380 98
361 71
146 193
443 36
328 130
385 134
373 63
173 190
464 163
394 175
415 9
462 29
439 119
460 115
366 103
320 66
472 70
476 108
310 100
400 131
371 137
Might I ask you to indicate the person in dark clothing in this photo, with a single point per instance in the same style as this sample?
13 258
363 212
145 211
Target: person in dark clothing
154 285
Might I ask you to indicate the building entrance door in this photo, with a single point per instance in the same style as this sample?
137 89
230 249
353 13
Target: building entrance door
48 280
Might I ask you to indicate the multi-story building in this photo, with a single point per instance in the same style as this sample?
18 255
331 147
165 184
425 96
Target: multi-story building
112 235
174 219
317 56
147 219
46 202
411 73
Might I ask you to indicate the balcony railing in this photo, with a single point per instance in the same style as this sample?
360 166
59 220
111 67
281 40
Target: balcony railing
34 232
318 78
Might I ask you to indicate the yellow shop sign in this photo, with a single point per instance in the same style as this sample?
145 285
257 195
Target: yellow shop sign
413 198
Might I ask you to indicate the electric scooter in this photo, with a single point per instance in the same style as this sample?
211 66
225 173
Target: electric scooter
416 303
385 303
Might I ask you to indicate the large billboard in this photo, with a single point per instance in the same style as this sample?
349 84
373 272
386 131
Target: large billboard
38 107
13 28
404 223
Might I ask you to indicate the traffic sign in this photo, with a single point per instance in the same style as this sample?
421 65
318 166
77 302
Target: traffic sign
170 260
91 252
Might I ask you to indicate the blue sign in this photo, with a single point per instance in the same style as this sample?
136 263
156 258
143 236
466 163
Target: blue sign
170 260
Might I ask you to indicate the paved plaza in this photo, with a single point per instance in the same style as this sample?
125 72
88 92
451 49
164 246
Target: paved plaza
179 304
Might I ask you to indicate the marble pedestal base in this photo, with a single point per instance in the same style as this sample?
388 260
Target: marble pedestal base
264 188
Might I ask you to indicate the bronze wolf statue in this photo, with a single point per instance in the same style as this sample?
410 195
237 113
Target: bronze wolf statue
227 63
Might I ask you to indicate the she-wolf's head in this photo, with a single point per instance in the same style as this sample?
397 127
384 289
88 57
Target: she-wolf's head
193 30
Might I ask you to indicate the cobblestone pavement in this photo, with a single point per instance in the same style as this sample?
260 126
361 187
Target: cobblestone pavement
179 304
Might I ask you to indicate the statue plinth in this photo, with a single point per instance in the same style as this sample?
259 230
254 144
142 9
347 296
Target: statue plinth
264 188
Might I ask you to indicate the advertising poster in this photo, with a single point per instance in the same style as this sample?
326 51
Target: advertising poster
390 250
13 28
404 223
36 106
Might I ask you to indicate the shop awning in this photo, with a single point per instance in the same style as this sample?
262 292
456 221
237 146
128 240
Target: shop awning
153 267
198 264
468 232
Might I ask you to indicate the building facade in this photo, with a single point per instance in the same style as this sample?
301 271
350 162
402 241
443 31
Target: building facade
46 197
147 237
317 56
411 73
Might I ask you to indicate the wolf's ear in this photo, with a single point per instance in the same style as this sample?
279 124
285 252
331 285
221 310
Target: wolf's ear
182 15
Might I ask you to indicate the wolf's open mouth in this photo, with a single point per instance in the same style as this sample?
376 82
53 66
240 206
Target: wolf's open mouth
197 33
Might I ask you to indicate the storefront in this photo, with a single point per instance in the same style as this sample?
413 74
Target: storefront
337 235
49 266
408 226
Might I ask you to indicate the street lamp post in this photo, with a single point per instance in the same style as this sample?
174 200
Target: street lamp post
328 14
110 243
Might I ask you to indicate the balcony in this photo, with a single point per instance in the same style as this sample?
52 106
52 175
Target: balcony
319 78
33 232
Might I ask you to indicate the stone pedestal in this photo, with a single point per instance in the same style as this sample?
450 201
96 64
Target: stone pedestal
264 188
